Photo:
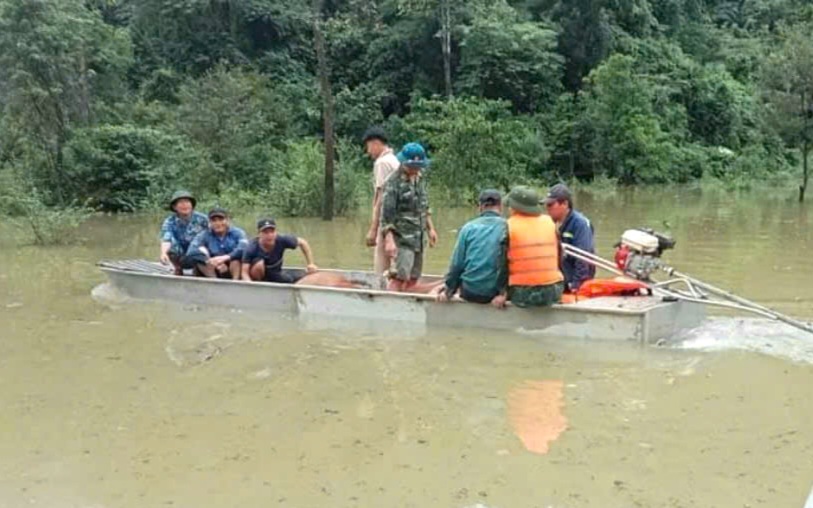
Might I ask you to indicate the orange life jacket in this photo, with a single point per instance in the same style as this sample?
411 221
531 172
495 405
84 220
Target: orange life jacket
533 251
619 286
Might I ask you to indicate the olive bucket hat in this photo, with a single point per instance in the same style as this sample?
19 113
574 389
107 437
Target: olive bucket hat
182 194
525 200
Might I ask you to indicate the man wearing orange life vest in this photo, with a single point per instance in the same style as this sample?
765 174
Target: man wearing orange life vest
533 252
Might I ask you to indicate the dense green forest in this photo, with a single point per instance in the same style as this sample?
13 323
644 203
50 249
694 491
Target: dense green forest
112 104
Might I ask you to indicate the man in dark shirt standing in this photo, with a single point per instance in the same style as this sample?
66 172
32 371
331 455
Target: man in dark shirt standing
262 259
574 229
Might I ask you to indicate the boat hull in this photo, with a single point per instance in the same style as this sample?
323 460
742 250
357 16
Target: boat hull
640 319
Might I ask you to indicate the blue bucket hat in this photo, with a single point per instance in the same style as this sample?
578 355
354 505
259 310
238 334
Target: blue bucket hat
413 155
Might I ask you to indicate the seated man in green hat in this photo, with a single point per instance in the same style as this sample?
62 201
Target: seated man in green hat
533 253
179 229
406 219
218 251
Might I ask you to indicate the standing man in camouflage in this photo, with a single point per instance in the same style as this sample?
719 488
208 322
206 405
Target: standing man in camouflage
384 165
406 220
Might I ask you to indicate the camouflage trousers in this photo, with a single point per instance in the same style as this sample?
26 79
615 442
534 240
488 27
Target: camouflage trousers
408 264
536 296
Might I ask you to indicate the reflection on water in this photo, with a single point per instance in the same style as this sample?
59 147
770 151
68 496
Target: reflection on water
535 412
148 405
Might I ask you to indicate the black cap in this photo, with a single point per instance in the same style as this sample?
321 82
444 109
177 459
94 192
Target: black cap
218 212
559 192
490 197
374 133
263 224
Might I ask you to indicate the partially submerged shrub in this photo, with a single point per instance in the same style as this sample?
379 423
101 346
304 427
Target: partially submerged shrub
47 225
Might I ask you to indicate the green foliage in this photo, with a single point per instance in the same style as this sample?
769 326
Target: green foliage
700 102
720 110
240 120
357 109
192 36
655 115
788 82
503 58
295 182
586 37
629 143
474 144
298 187
118 168
788 79
59 63
162 86
45 224
111 104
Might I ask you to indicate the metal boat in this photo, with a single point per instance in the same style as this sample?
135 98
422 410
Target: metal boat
645 319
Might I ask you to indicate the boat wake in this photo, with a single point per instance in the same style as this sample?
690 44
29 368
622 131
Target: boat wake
107 294
748 334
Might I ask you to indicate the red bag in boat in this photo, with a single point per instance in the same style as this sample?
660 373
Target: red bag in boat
619 286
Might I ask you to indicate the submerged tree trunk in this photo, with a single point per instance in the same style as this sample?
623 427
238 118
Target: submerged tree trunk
327 107
446 44
59 154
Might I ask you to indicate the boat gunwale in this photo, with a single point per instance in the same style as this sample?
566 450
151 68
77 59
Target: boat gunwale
370 293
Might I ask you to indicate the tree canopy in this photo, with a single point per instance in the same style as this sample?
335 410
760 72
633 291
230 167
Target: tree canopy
110 104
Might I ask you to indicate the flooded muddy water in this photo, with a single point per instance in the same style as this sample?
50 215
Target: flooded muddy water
148 405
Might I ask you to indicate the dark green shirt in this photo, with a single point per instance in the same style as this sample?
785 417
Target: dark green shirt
405 210
478 261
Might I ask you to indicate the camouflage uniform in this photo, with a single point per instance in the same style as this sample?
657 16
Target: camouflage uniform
405 210
536 296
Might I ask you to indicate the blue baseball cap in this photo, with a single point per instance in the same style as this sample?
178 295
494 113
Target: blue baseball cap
413 155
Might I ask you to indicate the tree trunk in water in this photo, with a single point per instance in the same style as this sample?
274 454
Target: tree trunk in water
60 167
328 108
446 44
59 155
803 187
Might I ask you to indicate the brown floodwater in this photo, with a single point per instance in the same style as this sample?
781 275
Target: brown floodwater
143 405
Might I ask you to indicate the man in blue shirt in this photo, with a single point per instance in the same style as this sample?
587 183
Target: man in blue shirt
218 251
262 259
179 229
574 229
478 267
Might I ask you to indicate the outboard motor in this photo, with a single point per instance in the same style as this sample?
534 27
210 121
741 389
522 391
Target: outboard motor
639 251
